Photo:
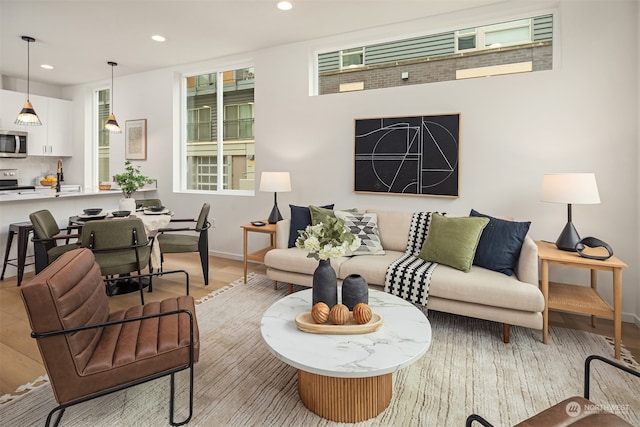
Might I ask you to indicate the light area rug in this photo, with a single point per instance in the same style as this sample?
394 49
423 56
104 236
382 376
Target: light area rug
467 369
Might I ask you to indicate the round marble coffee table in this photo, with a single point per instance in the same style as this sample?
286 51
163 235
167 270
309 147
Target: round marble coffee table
347 378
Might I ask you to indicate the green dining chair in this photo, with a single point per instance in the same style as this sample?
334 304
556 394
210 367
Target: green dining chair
46 235
188 239
148 203
121 247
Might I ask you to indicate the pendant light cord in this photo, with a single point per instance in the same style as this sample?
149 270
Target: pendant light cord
28 66
112 96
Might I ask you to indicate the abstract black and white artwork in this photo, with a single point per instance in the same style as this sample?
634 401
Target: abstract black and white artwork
408 155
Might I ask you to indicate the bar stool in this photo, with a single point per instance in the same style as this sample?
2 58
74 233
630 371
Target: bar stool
22 229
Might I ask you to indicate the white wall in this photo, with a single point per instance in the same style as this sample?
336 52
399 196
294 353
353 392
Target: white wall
637 235
580 117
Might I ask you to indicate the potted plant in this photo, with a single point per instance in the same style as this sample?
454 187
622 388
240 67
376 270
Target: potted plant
130 181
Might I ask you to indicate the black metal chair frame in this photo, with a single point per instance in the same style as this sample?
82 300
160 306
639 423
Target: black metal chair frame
41 258
203 244
587 382
171 372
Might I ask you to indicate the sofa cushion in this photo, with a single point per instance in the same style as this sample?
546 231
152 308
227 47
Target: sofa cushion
372 268
500 243
300 218
486 287
453 240
393 228
365 226
296 260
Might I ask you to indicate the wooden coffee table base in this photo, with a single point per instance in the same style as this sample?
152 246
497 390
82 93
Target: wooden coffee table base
345 400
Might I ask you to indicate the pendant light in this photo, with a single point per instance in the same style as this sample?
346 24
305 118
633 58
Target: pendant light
112 125
28 116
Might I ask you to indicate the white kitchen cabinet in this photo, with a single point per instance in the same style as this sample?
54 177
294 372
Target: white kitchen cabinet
59 128
37 135
53 138
10 105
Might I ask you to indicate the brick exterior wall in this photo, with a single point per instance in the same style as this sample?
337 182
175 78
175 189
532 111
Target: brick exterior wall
436 69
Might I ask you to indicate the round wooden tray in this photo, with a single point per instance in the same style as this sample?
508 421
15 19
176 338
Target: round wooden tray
305 323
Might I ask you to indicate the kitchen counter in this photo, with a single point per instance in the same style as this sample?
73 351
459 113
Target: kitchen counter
44 193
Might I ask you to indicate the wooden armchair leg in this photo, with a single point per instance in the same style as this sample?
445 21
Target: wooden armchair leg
506 332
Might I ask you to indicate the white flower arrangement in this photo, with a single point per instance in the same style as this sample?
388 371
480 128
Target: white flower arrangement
327 239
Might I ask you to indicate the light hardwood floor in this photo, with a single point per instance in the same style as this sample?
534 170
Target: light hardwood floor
20 361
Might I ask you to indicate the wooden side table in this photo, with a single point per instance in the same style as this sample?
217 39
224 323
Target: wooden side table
580 299
258 255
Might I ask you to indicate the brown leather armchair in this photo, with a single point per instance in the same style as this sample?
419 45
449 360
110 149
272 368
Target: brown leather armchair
571 411
89 352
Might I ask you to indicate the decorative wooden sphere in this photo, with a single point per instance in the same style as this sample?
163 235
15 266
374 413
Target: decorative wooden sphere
320 312
362 313
339 314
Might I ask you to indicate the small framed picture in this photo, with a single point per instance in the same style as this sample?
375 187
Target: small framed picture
136 139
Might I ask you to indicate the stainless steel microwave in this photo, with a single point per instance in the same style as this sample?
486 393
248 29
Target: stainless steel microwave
13 143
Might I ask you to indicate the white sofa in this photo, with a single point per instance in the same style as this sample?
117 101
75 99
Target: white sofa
479 293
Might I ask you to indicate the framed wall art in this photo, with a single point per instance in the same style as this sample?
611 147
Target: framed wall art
136 139
416 155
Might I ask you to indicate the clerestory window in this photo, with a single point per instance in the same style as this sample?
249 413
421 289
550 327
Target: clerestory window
509 47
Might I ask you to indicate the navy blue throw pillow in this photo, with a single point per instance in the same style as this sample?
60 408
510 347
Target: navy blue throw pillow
500 244
300 218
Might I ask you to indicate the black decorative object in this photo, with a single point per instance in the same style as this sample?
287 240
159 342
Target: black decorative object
354 291
593 242
325 284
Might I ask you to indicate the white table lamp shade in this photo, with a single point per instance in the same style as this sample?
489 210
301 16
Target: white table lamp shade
275 181
570 188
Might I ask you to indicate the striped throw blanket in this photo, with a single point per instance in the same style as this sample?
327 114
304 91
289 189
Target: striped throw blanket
409 276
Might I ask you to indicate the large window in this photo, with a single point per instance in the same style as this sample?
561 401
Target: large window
102 109
220 157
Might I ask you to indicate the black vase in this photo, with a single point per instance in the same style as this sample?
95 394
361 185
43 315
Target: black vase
354 291
325 284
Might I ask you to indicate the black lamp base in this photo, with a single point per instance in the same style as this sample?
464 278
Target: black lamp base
568 238
275 216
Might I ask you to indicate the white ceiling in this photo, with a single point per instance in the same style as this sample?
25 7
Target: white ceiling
78 37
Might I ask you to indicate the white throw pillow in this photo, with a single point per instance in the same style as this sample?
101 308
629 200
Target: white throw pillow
365 226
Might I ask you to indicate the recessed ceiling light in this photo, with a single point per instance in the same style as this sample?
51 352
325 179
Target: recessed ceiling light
47 66
158 38
285 5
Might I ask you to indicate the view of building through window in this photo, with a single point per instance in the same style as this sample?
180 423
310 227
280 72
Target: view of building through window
517 46
102 108
230 164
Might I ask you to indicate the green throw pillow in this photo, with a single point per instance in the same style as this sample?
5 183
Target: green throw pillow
320 214
453 240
